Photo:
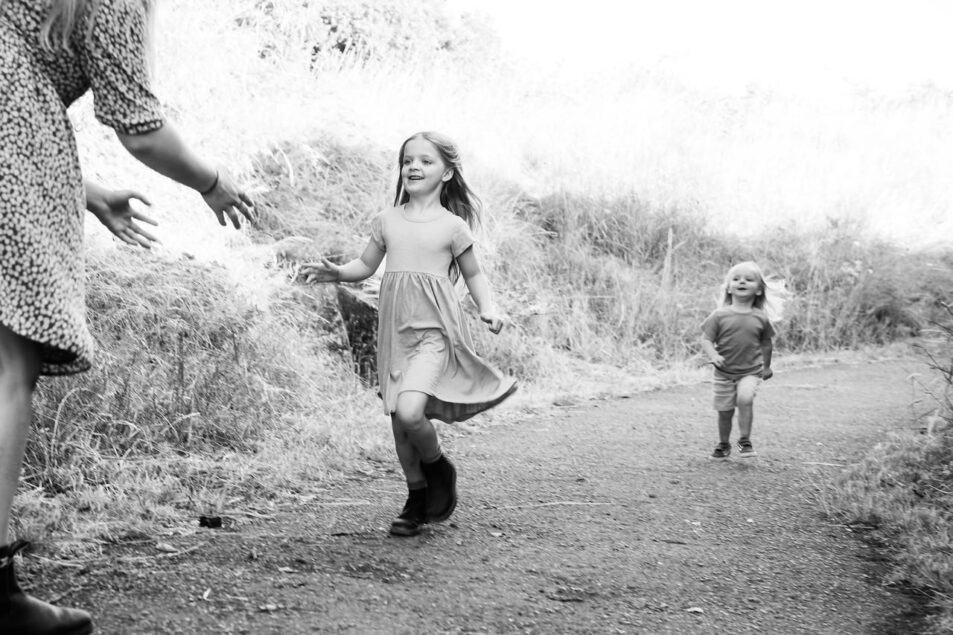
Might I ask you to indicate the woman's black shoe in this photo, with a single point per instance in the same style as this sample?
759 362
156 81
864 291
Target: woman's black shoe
21 614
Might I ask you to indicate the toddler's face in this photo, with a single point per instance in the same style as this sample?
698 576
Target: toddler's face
744 282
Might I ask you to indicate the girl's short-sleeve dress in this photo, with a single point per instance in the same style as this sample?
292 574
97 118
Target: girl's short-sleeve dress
423 341
42 202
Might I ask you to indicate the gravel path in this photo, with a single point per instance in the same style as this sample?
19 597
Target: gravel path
607 517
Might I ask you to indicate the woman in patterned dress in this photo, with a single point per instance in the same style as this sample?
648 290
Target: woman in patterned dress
51 53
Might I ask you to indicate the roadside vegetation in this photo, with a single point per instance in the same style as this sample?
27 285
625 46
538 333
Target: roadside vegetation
901 494
613 209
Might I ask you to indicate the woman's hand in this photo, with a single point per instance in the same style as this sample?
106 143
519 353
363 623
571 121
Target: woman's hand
494 319
767 373
717 360
227 199
114 211
324 271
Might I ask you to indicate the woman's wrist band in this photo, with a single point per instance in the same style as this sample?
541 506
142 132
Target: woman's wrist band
210 187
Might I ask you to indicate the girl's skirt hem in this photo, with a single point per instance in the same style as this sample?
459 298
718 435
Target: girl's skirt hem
454 412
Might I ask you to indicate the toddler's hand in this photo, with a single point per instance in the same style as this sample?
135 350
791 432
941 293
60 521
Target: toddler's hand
324 271
118 216
717 360
495 320
767 374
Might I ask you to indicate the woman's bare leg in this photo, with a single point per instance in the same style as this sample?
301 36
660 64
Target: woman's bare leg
19 371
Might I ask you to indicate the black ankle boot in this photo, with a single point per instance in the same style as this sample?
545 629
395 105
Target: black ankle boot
21 614
413 515
442 489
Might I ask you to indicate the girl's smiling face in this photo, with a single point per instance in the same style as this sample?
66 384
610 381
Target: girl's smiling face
422 170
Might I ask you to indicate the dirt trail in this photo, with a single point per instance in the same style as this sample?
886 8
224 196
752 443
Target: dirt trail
602 518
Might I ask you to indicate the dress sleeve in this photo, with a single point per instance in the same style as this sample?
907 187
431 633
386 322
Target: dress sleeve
462 238
377 232
116 64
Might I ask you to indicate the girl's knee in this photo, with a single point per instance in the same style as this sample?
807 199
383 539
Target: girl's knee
747 389
409 414
408 426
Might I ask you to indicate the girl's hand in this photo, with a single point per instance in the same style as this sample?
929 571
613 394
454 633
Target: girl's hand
495 320
767 374
227 199
324 271
717 360
117 215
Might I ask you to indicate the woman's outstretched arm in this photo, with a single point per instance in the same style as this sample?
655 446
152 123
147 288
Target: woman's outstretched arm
165 152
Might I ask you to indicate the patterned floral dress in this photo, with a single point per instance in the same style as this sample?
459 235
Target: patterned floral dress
42 279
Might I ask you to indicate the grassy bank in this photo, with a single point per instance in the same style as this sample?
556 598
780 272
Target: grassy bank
224 383
901 493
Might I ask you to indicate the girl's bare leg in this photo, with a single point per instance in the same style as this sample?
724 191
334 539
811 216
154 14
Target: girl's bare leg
724 425
415 426
745 419
436 469
19 371
747 388
407 455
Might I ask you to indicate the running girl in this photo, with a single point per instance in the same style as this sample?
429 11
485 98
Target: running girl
426 365
737 337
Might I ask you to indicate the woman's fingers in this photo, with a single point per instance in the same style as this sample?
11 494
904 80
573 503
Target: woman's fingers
132 194
233 215
145 219
234 212
139 231
124 236
247 206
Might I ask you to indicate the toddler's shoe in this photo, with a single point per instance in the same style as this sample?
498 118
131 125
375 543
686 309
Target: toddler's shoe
722 451
745 449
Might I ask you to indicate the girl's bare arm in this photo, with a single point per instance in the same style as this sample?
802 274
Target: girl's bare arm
479 287
767 349
353 271
713 356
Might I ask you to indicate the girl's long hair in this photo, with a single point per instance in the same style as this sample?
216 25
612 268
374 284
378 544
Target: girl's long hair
65 16
774 292
456 195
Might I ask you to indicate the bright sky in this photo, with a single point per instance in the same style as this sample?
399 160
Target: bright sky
803 44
